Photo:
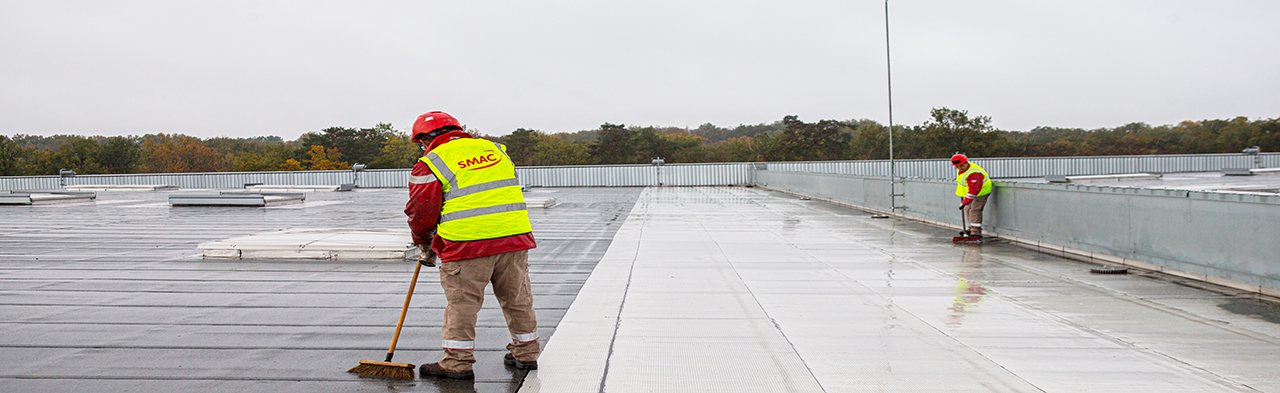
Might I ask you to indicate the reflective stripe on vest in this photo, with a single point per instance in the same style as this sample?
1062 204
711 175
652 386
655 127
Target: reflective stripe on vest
481 211
461 192
441 168
962 189
482 197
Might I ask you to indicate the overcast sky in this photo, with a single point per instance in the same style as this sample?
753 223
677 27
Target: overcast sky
251 68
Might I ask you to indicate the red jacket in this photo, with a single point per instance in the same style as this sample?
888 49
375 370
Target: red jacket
424 206
974 181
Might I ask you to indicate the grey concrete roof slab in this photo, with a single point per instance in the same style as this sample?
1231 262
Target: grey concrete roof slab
658 289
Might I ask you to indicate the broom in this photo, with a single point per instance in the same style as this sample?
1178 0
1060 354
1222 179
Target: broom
387 368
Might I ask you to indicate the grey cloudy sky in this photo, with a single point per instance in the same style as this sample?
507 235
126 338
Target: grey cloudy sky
250 68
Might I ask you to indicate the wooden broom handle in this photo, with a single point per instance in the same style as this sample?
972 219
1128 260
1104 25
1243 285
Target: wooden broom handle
404 310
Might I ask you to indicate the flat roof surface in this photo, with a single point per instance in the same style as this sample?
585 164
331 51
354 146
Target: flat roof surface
637 289
112 296
738 289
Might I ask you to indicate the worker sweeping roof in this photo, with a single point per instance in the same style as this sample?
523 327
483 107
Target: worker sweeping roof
464 190
974 186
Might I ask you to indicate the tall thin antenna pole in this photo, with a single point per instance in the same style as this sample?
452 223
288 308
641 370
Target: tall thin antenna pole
893 181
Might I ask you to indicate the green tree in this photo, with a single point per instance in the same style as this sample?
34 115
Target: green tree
682 147
77 153
359 145
397 152
10 155
871 142
952 131
120 154
612 145
821 141
552 150
268 157
521 145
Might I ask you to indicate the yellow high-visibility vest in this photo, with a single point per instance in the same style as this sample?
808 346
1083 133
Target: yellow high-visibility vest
482 198
962 189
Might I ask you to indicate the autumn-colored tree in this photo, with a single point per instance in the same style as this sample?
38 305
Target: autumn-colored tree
175 153
291 165
321 159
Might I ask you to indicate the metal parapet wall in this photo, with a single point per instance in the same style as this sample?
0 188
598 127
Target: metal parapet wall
706 174
1016 167
1222 238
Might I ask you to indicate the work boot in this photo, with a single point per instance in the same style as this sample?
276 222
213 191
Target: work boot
510 360
975 231
434 370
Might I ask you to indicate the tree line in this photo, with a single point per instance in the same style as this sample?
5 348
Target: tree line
946 132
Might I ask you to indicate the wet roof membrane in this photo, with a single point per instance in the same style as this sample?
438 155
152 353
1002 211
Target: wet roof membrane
737 289
115 295
653 289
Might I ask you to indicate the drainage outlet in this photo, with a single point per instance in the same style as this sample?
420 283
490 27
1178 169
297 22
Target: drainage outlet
1109 270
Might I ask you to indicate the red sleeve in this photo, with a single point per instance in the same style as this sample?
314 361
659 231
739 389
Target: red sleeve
424 204
975 183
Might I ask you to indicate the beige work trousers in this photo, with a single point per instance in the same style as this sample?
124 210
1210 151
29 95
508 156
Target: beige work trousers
973 214
464 282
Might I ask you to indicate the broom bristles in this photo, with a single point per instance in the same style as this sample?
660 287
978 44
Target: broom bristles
383 369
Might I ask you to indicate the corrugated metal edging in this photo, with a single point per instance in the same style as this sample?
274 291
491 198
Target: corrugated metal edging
719 174
205 180
588 176
688 174
714 174
384 178
1039 166
29 183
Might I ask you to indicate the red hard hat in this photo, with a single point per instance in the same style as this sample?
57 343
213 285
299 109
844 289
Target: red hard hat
433 121
959 159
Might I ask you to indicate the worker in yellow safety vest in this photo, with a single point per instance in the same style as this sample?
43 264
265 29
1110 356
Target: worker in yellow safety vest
974 186
466 206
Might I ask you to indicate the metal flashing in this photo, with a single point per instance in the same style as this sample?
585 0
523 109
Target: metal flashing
299 188
122 187
237 198
315 243
45 197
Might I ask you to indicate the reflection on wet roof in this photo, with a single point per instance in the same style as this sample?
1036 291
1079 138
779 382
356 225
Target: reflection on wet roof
636 289
113 295
737 289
